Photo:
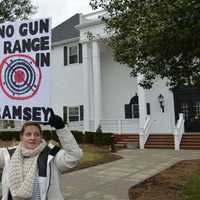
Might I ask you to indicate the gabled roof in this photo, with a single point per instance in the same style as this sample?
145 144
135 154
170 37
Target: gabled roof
66 30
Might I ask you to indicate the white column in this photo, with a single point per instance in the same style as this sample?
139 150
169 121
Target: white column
87 82
96 63
142 103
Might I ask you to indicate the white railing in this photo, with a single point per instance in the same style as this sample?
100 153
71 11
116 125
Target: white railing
178 131
116 126
120 126
144 132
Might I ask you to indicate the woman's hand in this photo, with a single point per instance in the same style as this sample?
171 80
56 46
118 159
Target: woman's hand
56 121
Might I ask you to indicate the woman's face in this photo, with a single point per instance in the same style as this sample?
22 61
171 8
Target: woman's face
31 137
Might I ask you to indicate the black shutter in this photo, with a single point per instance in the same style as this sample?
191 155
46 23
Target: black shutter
80 53
65 114
128 112
65 55
81 113
148 109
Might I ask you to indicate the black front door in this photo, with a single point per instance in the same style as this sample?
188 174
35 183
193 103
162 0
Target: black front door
187 101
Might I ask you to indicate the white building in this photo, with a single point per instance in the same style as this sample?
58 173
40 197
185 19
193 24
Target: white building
99 87
91 89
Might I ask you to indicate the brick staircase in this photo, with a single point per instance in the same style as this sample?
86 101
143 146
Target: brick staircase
190 141
156 141
124 139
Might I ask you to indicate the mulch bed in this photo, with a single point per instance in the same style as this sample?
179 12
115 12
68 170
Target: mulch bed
167 185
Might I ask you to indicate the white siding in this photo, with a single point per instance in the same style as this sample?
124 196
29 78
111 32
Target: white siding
162 122
117 85
67 87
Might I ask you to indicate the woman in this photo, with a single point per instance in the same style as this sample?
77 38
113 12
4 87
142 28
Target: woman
32 169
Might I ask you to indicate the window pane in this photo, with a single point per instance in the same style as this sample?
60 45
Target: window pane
184 108
196 110
73 114
73 50
73 110
73 118
73 59
73 55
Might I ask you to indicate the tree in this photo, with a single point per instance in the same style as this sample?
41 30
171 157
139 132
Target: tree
155 38
12 10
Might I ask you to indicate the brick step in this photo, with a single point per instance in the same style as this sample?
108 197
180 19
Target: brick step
159 146
124 139
160 143
164 141
127 136
161 137
190 142
159 140
190 147
191 138
127 140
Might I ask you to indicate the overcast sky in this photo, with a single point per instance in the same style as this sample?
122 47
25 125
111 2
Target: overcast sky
60 10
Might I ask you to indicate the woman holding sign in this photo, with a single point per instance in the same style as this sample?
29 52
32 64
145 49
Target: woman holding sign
32 169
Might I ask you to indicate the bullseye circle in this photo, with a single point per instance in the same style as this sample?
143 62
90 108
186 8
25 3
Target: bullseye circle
20 78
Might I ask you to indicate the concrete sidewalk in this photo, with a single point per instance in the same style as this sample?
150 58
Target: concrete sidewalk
111 181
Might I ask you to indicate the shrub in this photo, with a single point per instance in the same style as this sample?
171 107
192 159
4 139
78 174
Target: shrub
9 135
78 136
98 138
88 137
107 138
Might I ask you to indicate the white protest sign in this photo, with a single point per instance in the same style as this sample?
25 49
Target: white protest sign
25 71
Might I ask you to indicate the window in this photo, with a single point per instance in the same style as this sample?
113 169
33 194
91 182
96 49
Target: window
72 54
8 124
132 109
73 113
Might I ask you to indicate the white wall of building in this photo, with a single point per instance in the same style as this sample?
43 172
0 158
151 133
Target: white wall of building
117 86
67 87
162 122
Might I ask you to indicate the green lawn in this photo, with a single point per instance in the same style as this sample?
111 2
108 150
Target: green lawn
192 187
90 154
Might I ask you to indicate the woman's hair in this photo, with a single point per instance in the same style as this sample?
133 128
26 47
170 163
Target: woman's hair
26 124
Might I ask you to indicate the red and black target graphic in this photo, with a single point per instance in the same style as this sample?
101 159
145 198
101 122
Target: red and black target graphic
20 78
